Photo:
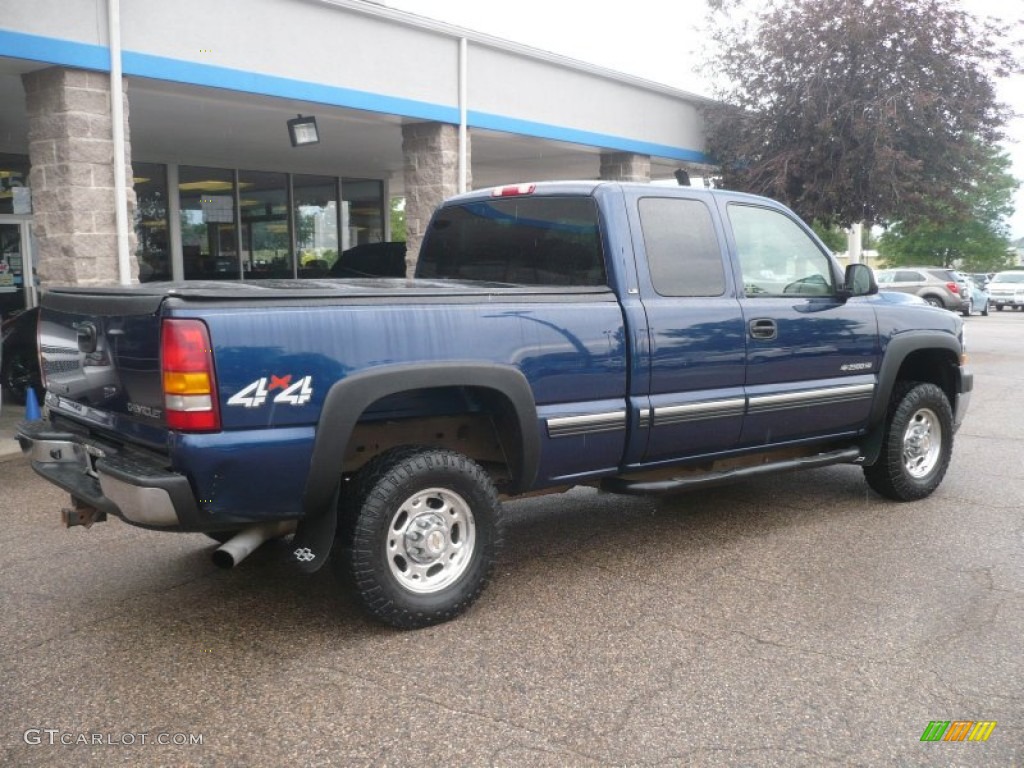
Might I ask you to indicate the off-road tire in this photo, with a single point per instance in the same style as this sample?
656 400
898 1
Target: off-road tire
452 502
917 445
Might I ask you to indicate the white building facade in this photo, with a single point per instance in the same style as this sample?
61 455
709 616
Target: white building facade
192 174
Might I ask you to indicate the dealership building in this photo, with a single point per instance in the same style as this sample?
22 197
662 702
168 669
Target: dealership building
265 138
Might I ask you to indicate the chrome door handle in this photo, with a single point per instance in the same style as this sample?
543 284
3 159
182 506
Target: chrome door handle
764 328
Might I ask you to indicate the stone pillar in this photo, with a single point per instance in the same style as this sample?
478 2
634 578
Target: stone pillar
431 174
71 150
625 166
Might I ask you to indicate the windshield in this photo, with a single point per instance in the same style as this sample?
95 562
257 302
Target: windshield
1009 277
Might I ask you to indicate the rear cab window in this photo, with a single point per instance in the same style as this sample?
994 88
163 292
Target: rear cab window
543 240
683 253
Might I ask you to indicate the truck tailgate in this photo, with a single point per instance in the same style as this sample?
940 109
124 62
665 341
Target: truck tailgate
100 359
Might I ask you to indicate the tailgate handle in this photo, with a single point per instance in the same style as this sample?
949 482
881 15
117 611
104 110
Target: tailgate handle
86 337
764 328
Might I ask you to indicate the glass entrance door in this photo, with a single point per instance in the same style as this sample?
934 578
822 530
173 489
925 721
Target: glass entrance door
17 288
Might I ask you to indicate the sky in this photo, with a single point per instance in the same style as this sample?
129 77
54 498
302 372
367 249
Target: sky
661 41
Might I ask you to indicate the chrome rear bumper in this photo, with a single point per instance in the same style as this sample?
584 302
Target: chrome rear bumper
133 487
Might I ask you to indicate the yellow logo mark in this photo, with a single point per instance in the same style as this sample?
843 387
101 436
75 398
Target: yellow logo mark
958 730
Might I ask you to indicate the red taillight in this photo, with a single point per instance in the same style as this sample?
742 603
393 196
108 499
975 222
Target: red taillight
953 288
189 384
512 191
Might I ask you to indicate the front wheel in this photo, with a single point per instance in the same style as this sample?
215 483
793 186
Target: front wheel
425 528
917 445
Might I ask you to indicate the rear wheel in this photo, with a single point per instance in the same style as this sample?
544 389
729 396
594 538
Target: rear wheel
424 527
969 308
917 445
984 310
934 301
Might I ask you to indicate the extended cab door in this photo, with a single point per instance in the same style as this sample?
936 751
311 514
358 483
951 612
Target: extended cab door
811 356
688 386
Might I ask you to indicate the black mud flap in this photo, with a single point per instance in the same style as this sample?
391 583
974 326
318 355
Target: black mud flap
311 545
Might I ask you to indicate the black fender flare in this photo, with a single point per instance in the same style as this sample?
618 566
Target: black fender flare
898 349
348 398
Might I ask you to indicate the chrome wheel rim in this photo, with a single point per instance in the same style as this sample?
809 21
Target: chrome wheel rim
431 540
922 443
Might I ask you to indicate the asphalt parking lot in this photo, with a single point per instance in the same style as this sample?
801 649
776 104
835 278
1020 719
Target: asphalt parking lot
795 621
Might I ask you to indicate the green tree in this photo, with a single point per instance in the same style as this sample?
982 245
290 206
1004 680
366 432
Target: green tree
267 239
305 226
834 237
857 110
974 241
398 219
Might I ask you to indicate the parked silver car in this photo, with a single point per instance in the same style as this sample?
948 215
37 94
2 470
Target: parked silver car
939 286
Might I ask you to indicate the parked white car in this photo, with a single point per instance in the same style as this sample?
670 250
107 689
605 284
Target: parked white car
1007 289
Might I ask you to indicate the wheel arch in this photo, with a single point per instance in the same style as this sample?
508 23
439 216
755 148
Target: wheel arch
349 398
925 357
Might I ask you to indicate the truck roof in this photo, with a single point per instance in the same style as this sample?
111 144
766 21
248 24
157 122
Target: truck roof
589 187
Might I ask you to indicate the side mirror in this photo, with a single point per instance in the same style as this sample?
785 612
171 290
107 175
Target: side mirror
860 281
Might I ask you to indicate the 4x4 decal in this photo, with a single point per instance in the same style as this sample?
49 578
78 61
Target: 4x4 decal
256 393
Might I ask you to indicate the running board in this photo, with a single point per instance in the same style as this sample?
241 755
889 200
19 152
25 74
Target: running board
670 485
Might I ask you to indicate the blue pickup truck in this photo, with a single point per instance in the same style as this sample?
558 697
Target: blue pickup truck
637 338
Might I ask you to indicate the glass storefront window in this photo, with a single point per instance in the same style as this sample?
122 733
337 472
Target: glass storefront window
209 242
14 191
12 268
15 198
316 223
362 212
266 244
152 244
274 241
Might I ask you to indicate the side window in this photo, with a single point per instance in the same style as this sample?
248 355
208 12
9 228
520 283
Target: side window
907 276
682 249
776 255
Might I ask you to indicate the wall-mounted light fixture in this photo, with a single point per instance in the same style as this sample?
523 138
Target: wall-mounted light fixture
303 131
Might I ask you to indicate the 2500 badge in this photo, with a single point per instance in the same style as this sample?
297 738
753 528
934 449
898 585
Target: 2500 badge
257 393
